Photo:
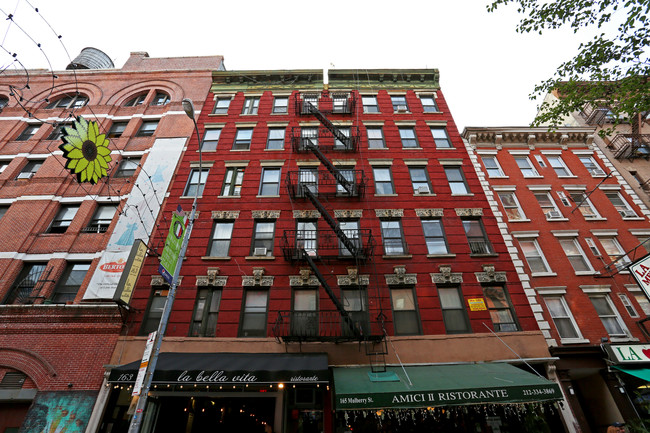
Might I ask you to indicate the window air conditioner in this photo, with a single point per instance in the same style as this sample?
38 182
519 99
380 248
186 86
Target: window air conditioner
25 175
597 172
553 215
402 108
628 213
423 190
259 251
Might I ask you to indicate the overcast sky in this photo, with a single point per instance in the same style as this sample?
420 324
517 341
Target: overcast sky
487 70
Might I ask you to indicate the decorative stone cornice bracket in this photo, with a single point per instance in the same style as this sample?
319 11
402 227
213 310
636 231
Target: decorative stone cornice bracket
353 278
348 213
469 212
306 214
225 214
400 277
489 275
446 276
305 279
389 213
212 279
266 214
429 213
258 279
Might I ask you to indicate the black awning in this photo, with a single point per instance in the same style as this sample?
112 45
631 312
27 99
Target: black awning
231 368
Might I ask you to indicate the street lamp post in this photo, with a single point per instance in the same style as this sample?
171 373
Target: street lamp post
138 415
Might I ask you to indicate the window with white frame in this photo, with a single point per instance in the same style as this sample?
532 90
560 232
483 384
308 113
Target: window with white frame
196 182
221 105
526 167
456 179
232 182
476 237
429 103
280 104
399 103
351 230
251 103
492 166
275 140
617 200
219 245
547 204
161 98
406 320
575 255
393 237
609 315
408 137
243 139
592 166
307 237
454 314
434 236
270 181
338 144
262 241
383 180
254 312
63 219
375 137
585 206
500 308
615 252
643 302
420 180
309 135
30 169
566 326
558 165
628 305
441 137
511 206
534 256
211 139
369 104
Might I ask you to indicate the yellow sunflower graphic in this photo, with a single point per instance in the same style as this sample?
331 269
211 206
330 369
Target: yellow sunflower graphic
86 151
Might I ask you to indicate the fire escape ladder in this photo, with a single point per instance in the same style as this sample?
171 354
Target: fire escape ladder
344 314
354 250
328 124
376 352
349 187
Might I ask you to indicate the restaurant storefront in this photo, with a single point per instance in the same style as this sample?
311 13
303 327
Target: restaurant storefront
630 365
490 397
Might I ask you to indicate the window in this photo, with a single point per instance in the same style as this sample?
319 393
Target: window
526 167
30 169
127 167
117 129
562 318
534 256
147 128
405 313
28 279
351 230
355 302
338 144
620 204
643 302
101 218
420 180
307 237
558 165
196 182
4 101
608 315
592 166
456 180
250 105
275 140
428 103
347 171
136 100
232 182
492 166
383 180
476 237
211 139
253 320
309 135
511 206
221 236
628 305
454 314
434 236
584 205
57 131
501 312
270 181
262 242
399 103
309 100
280 104
576 255
28 132
375 138
160 99
614 250
63 219
221 106
407 135
441 137
548 206
154 311
3 211
77 101
70 282
243 139
307 179
206 312
392 236
304 315
4 165
369 104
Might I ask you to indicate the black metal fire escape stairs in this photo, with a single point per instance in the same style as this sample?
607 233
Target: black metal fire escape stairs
376 351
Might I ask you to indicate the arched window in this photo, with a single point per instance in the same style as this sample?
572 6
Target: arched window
136 100
4 101
161 98
67 101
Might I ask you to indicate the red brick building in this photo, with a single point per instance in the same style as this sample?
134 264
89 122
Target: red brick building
341 231
54 231
572 224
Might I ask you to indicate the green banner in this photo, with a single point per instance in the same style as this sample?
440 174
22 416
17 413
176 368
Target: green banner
169 256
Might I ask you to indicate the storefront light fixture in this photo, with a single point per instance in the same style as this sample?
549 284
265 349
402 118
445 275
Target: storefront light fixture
281 385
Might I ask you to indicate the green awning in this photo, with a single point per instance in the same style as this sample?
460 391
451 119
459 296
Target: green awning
641 373
439 385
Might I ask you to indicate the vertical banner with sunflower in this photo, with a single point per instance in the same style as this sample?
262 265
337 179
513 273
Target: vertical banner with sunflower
86 151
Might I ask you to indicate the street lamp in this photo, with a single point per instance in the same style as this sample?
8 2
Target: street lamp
138 415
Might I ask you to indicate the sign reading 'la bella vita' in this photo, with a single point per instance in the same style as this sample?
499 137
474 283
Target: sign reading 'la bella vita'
629 353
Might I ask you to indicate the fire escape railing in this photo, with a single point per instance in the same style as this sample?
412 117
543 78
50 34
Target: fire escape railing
630 146
324 244
326 184
324 139
336 103
594 115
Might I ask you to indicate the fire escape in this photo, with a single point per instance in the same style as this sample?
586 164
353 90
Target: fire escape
634 145
343 241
